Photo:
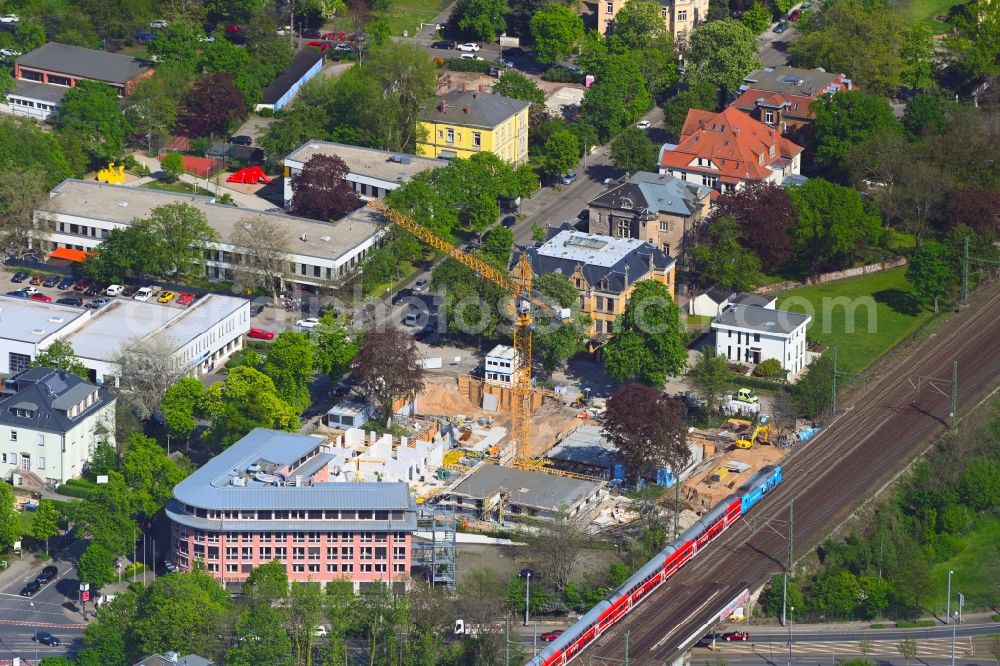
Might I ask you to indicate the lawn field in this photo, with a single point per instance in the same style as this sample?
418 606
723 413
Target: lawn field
976 570
927 11
179 186
862 317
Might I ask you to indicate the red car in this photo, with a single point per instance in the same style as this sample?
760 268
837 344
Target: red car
335 36
736 636
550 636
322 46
260 334
185 299
794 16
44 298
82 285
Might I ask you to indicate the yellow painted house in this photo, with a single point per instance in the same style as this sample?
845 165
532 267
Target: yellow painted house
465 122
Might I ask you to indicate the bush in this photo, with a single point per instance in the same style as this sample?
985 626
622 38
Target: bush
996 617
468 65
915 624
265 112
561 75
74 491
770 369
877 625
200 146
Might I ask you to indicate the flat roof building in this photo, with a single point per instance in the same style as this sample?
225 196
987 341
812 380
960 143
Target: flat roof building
371 172
270 497
80 213
306 64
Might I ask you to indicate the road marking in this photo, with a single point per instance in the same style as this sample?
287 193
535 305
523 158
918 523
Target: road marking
25 623
693 613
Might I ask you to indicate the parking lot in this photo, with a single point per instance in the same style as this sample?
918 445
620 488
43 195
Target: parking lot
55 288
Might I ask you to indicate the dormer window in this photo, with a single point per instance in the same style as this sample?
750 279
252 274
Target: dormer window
771 149
760 158
23 413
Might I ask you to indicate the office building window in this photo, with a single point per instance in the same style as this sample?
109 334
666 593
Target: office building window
298 553
232 568
399 568
477 139
281 554
451 136
298 568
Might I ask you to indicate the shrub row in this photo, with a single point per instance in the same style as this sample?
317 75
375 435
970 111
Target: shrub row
468 65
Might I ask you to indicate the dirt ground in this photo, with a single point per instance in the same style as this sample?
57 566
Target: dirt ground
548 426
506 560
700 492
441 397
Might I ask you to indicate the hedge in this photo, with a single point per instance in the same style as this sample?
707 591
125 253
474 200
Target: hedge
744 381
561 75
469 65
80 492
914 624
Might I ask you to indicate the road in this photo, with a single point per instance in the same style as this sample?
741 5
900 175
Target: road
844 465
773 51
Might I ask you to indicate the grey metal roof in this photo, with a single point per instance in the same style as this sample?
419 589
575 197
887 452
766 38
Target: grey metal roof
84 63
765 320
718 295
534 489
789 80
176 514
654 193
41 92
187 660
472 108
631 261
210 486
763 300
283 82
49 394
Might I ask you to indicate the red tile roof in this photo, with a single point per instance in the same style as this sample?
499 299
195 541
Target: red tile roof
733 142
797 105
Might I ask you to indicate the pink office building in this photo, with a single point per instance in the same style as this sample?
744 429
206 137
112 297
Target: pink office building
267 497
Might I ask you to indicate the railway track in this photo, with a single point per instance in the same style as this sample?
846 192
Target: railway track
828 478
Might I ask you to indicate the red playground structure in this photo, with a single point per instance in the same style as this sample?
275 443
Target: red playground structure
249 176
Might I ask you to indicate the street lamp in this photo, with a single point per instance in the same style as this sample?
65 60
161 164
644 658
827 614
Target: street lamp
954 626
947 611
36 633
527 596
791 620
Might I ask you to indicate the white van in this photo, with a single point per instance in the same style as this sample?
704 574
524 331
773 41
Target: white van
144 294
411 317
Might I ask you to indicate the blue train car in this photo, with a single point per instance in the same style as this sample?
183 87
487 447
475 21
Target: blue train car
758 485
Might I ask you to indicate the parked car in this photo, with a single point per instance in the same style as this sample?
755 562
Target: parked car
9 53
509 221
780 28
47 574
311 322
19 276
468 46
10 18
550 636
97 303
471 56
260 334
31 589
185 299
44 298
94 290
569 178
795 15
322 46
241 140
82 285
75 301
18 293
335 36
66 283
443 44
51 281
642 124
45 638
319 632
736 636
114 290
143 294
420 285
37 280
129 291
343 47
311 33
158 24
505 63
167 296
30 291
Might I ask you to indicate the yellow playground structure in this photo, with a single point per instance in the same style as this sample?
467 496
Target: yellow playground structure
112 175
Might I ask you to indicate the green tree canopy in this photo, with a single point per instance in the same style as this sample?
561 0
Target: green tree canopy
10 526
847 119
91 109
976 38
560 153
183 233
722 53
930 272
649 337
633 151
516 85
172 165
637 24
711 378
498 243
289 364
757 18
60 356
813 393
46 522
181 609
556 30
106 516
180 406
726 262
832 223
247 399
150 474
24 146
482 20
97 566
618 97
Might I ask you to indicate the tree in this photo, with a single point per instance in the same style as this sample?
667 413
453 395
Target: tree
182 609
336 345
60 356
289 364
854 37
106 516
104 460
763 212
726 262
979 485
847 119
722 53
21 193
633 151
561 153
46 522
757 18
180 405
10 529
557 546
637 24
172 165
658 64
247 399
778 596
145 371
305 614
177 43
561 339
978 208
832 223
556 30
919 197
184 234
482 19
975 41
107 639
212 105
55 661
97 566
916 50
262 639
24 146
516 85
649 337
150 474
498 243
264 251
698 95
924 115
907 649
321 191
618 97
408 72
710 378
387 367
91 109
538 233
813 392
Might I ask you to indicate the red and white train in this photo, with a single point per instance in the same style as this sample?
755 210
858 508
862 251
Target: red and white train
656 571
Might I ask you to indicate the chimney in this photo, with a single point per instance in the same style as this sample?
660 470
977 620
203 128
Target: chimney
442 105
482 88
475 95
468 108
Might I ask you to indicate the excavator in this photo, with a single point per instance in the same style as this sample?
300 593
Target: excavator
761 432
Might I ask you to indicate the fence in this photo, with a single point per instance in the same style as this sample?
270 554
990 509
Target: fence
823 278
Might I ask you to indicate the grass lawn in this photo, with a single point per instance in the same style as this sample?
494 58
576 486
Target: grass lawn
409 14
971 567
183 188
698 322
925 11
406 269
25 519
882 307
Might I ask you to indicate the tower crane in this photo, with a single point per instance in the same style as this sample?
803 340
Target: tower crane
518 285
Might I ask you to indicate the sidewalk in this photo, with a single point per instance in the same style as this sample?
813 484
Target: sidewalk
841 627
241 199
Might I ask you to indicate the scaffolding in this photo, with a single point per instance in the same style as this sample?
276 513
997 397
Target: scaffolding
437 551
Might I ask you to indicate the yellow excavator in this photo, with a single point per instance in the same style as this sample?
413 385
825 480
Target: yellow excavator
761 432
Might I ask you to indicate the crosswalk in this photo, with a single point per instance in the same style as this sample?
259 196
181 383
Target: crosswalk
930 648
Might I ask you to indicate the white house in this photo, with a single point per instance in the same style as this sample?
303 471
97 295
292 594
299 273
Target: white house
752 334
79 214
500 364
51 425
711 302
